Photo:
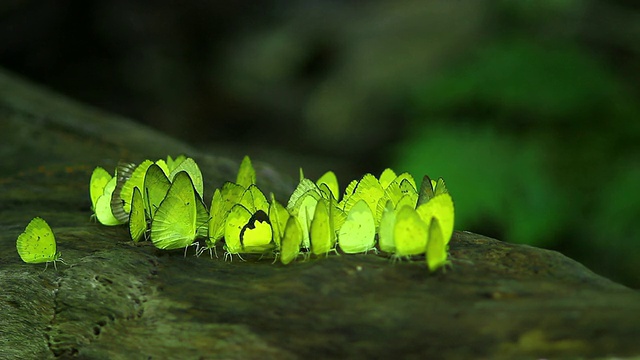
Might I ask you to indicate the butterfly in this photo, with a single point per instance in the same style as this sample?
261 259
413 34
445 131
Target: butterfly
137 218
246 173
357 234
436 247
247 231
37 243
291 240
179 216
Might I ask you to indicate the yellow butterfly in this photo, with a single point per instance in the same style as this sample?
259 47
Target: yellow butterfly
357 234
278 216
247 232
246 173
37 243
290 246
441 208
127 180
436 247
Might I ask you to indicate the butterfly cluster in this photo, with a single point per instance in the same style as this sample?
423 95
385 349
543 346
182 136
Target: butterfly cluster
163 201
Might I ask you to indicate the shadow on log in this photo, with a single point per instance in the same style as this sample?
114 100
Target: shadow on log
118 300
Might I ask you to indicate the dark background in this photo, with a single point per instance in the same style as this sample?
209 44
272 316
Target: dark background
529 109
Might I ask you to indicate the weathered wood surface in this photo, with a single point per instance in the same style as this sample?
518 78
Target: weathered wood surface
116 300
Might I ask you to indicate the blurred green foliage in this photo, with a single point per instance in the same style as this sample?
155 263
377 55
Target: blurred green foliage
538 145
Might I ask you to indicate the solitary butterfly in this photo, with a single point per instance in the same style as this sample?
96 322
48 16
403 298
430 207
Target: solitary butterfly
37 244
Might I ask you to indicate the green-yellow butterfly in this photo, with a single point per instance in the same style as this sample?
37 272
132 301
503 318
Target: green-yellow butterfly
409 178
430 189
336 214
409 233
436 247
386 231
302 204
246 173
221 203
137 219
278 216
190 167
172 163
357 234
156 186
322 233
290 245
127 180
386 177
369 190
331 181
174 225
37 243
399 192
440 207
254 199
99 180
102 209
247 232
